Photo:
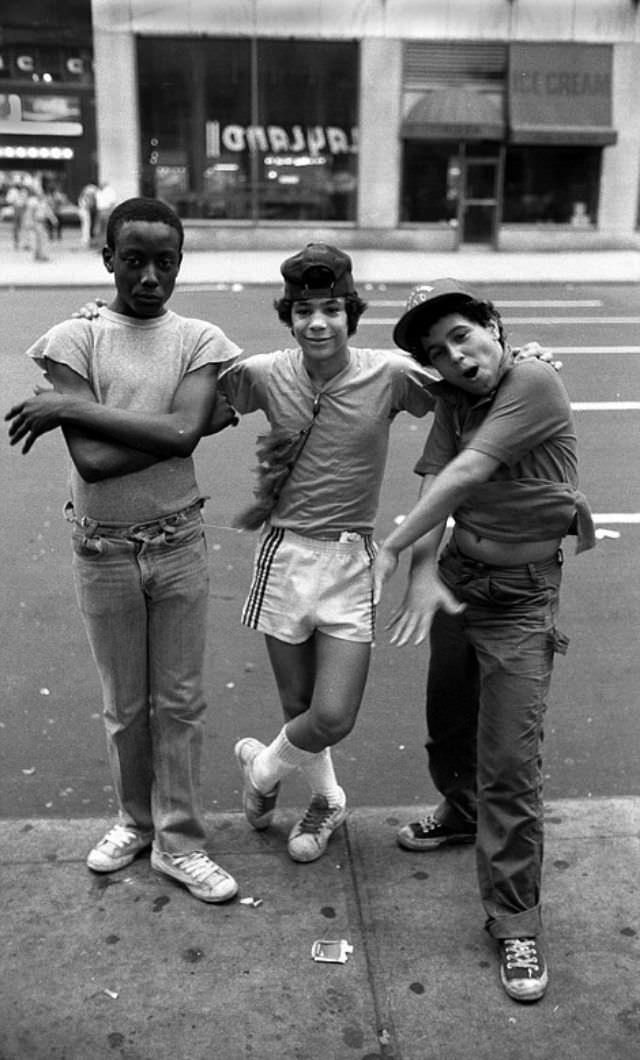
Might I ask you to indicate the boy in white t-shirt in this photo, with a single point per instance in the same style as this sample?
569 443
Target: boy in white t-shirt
133 393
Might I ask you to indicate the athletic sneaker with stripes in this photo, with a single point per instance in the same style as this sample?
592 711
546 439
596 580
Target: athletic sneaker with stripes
258 807
309 837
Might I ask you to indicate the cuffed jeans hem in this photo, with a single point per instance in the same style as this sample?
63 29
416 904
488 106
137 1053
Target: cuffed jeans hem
525 925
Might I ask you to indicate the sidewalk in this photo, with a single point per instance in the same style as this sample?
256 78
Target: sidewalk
130 966
72 267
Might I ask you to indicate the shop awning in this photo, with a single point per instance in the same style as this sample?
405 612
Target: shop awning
560 94
455 114
595 135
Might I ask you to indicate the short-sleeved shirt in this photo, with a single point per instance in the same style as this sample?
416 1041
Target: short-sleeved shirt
526 424
136 365
335 482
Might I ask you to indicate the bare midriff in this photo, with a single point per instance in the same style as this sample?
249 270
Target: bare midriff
503 553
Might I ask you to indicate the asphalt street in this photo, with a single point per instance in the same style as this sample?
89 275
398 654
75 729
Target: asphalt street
53 760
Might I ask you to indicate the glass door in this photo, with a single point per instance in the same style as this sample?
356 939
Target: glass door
479 207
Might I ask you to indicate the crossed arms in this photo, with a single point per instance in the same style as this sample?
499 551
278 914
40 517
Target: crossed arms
106 442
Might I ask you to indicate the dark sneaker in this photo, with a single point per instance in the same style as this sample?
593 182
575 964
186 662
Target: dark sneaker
309 837
429 834
258 808
118 848
199 874
523 969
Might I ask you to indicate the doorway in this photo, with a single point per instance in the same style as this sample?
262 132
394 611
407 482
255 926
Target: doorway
479 202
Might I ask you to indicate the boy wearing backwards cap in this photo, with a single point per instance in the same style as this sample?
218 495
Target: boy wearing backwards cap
330 406
501 459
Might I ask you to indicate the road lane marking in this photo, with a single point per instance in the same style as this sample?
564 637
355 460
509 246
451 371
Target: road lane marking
391 321
605 406
518 303
616 517
595 349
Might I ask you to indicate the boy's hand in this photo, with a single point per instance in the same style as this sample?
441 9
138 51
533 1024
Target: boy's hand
412 620
534 349
384 566
222 415
35 416
90 310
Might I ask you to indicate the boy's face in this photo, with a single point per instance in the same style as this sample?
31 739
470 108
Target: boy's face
320 327
465 353
145 264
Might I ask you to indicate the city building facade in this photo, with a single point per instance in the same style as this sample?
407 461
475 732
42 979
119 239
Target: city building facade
418 124
47 112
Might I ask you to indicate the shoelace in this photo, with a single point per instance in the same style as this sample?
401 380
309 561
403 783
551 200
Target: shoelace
316 814
521 953
119 836
427 824
198 865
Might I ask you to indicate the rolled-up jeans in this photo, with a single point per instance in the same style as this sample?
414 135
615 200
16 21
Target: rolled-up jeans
143 594
489 675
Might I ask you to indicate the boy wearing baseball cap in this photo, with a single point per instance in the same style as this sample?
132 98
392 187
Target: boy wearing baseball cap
330 406
500 460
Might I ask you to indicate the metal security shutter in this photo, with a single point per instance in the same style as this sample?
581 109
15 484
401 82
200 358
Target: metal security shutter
434 64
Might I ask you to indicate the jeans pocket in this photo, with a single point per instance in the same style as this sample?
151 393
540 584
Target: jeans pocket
84 546
180 534
520 593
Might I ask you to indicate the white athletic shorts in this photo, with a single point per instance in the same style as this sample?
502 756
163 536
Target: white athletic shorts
303 584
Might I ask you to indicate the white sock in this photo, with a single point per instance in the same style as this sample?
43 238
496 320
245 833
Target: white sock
321 778
278 759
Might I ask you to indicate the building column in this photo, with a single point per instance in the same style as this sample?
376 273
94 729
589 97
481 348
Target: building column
620 179
116 93
379 144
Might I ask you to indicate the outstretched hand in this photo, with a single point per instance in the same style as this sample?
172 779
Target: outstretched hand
425 595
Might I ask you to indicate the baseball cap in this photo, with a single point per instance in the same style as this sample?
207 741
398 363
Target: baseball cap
425 304
318 271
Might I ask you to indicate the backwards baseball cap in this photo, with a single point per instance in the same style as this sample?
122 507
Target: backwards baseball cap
426 303
318 271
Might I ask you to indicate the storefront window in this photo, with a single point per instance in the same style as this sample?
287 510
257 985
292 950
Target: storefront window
558 185
431 181
242 130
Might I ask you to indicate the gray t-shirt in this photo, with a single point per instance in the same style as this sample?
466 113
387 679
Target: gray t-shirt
136 365
335 482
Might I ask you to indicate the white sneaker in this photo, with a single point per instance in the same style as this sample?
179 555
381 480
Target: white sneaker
118 848
309 837
199 874
258 808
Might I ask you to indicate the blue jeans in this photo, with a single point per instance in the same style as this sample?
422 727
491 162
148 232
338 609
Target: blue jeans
489 675
143 594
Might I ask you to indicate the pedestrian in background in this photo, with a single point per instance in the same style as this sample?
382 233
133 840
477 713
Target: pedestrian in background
17 197
88 213
133 393
38 220
501 460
